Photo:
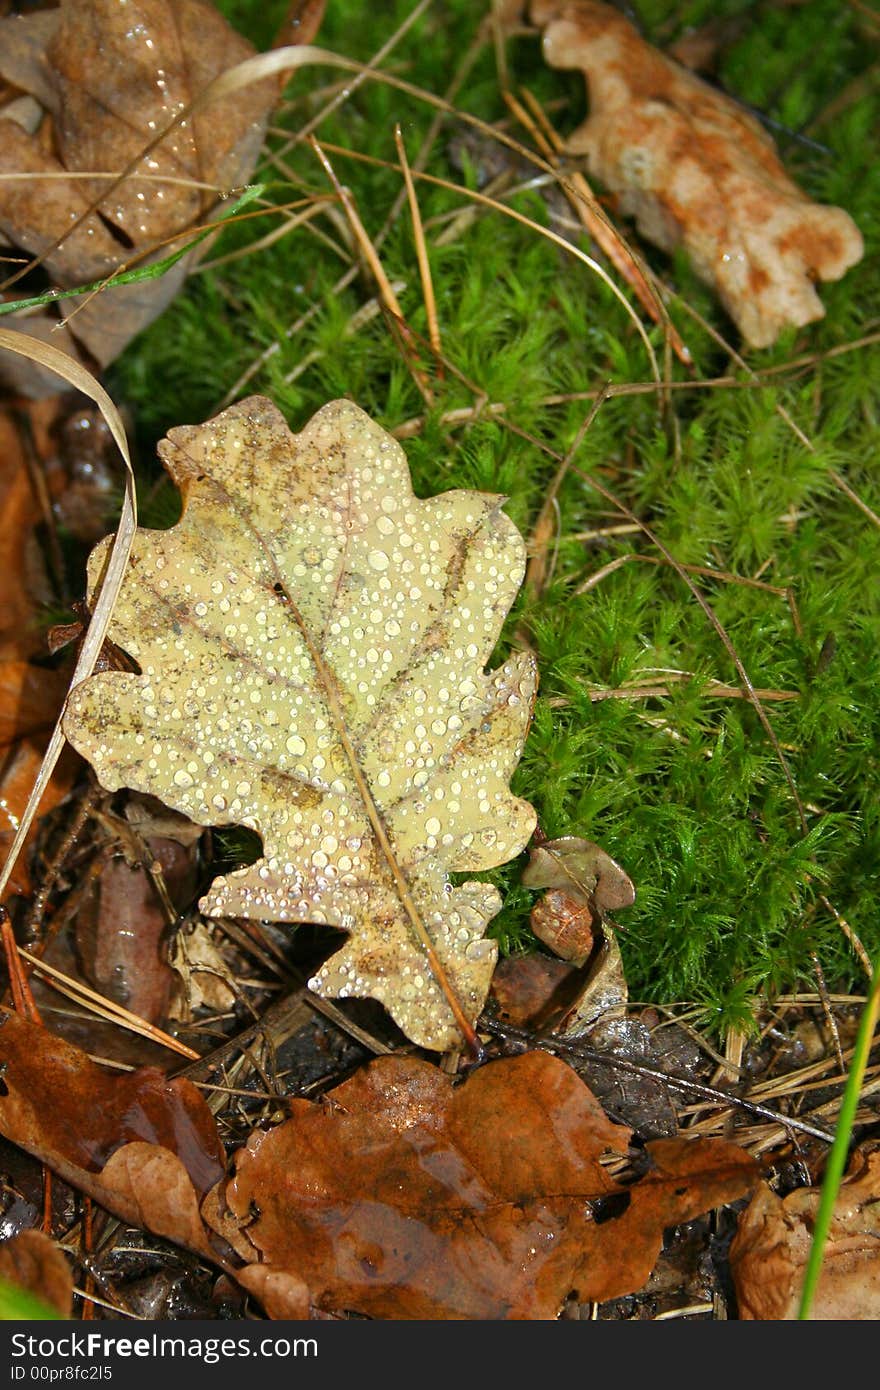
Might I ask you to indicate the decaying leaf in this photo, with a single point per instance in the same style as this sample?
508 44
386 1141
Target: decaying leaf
203 979
153 1189
770 1249
110 77
403 1195
696 170
59 1105
312 640
583 871
32 1261
584 886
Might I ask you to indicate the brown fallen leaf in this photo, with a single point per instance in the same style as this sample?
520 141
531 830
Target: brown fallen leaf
32 1261
60 1105
109 78
584 886
696 170
155 1191
313 641
769 1251
404 1195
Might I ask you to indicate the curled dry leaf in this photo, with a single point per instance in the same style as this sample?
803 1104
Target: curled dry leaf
312 640
584 886
696 170
583 871
770 1249
404 1195
60 1105
109 78
32 1261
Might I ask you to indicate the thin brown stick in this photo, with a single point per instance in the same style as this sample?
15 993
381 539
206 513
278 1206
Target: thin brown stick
723 1099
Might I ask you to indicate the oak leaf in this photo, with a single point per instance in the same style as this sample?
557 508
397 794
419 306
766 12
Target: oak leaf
696 170
406 1195
312 640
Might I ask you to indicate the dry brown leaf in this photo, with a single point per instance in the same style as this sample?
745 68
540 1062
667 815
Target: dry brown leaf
203 978
770 1249
58 1104
313 641
404 1195
32 1261
696 170
111 77
584 886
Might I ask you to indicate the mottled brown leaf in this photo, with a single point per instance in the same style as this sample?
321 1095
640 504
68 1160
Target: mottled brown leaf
32 1261
404 1195
313 641
770 1249
696 170
57 1103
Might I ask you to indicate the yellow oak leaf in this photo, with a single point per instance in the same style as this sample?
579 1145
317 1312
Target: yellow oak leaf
312 641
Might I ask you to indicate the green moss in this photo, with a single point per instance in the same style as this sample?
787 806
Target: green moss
683 788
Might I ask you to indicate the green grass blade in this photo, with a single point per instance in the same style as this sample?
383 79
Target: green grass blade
836 1165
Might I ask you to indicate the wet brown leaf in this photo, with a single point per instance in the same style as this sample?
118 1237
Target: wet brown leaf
528 988
33 1262
155 1191
696 170
404 1195
110 77
770 1249
58 1104
313 641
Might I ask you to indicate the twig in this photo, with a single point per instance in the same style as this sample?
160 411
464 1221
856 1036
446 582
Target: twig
589 1054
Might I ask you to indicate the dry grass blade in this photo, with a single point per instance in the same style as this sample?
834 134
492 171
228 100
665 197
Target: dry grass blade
102 1006
421 247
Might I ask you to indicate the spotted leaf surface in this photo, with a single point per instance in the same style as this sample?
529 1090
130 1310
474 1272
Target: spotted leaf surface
312 642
